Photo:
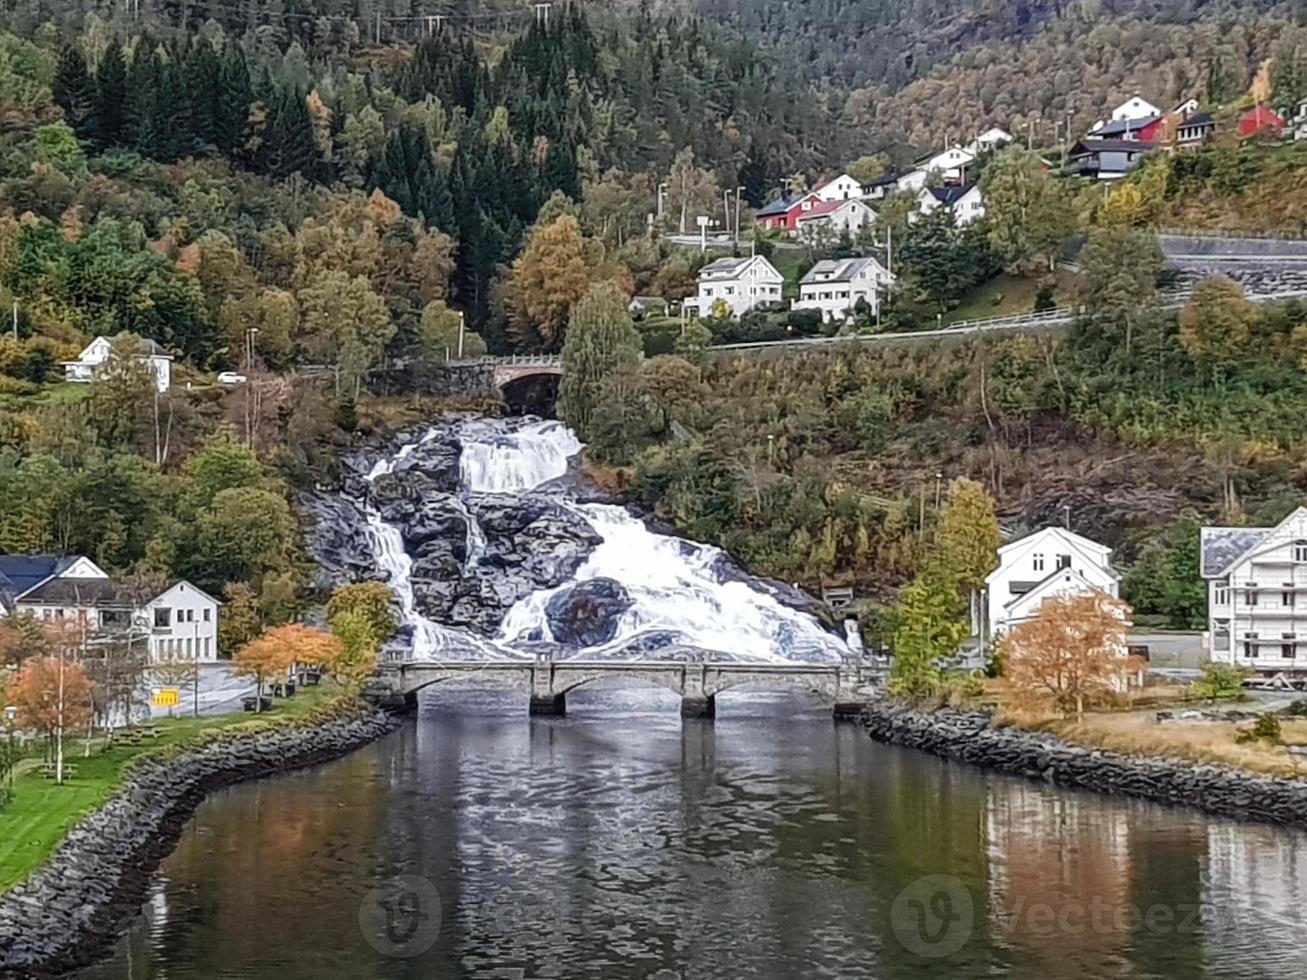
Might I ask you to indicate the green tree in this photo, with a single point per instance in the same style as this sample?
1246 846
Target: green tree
965 548
243 535
1216 324
72 88
928 631
601 341
1028 210
1118 281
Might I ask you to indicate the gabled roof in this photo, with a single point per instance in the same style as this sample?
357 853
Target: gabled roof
144 345
782 205
1221 547
836 270
830 207
948 195
91 592
183 584
719 268
1197 119
1049 586
1121 126
884 180
1088 146
23 572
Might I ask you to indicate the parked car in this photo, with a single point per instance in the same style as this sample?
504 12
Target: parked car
231 378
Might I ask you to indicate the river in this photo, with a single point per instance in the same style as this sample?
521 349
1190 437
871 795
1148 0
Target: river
620 842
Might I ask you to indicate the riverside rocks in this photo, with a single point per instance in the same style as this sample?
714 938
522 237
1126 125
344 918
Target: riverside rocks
587 614
70 908
971 737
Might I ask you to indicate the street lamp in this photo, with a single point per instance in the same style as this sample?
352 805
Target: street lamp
11 715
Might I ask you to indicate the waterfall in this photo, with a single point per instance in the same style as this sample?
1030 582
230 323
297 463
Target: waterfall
680 593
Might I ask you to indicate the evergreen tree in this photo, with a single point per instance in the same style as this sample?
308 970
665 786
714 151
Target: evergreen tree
72 87
142 122
409 175
232 103
601 342
107 124
288 142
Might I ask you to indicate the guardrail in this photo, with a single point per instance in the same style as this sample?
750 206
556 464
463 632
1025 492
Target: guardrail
548 360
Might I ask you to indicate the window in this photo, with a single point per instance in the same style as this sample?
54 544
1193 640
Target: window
190 649
206 613
1063 561
1288 650
1250 598
206 648
1286 599
1250 649
1300 551
162 617
1039 563
1221 596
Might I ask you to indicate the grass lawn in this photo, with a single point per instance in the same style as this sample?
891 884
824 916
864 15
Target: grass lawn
1006 294
41 812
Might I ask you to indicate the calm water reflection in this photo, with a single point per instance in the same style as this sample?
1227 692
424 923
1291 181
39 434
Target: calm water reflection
620 843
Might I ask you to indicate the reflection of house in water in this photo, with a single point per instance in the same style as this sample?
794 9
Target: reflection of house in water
1255 884
1059 851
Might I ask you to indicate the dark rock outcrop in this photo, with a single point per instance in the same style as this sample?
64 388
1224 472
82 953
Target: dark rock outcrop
69 909
971 737
587 614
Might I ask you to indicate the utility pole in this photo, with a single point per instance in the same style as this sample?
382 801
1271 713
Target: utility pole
542 14
738 192
15 319
726 208
662 190
461 322
378 35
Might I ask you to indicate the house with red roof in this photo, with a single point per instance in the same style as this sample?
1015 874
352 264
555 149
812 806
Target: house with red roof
1260 121
783 214
839 217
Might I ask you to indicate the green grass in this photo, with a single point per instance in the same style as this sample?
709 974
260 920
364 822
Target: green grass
41 812
1006 294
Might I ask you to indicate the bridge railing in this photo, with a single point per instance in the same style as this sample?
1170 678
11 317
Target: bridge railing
539 360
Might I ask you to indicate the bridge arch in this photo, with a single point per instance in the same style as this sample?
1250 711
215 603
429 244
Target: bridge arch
819 685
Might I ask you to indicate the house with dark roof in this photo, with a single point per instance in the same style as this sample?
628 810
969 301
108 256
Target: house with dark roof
735 286
783 213
179 623
834 287
1105 159
1194 129
1257 594
98 355
966 203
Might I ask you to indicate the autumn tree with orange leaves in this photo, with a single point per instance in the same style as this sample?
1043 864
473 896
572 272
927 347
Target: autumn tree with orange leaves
276 651
52 695
1071 655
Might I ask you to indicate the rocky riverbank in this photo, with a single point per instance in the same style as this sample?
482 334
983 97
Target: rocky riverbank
971 737
70 908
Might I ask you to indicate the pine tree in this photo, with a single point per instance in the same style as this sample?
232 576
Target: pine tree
142 122
72 87
232 103
106 126
289 145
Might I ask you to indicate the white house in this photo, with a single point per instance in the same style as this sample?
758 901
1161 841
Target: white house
1257 593
966 203
990 139
1047 563
835 217
741 284
180 623
842 188
1135 107
834 287
90 363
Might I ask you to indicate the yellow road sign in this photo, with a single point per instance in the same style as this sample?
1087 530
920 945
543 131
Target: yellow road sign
166 697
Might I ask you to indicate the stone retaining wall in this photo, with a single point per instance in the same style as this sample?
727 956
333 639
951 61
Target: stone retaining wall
71 907
970 737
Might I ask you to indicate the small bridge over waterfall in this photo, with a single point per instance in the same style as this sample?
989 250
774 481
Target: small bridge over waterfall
499 371
845 686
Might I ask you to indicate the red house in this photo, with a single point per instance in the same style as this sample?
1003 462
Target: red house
1144 130
784 213
1260 122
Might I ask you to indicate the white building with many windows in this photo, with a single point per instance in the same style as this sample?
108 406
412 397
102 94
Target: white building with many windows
180 623
735 286
834 287
1257 594
1051 562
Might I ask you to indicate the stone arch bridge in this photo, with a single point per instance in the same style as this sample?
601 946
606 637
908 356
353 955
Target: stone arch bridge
846 686
496 372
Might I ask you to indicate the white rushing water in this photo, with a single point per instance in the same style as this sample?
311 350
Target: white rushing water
678 594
